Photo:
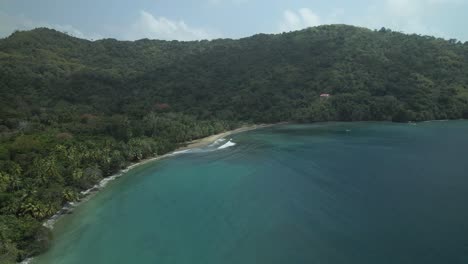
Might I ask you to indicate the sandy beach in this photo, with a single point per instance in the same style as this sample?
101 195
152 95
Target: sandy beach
202 142
198 143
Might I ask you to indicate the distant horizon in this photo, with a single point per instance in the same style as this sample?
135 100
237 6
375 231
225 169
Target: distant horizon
229 19
227 38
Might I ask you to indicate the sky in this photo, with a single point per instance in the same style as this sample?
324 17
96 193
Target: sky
210 19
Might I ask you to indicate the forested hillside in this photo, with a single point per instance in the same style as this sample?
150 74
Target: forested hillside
73 111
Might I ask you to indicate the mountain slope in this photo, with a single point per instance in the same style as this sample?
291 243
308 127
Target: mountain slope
417 74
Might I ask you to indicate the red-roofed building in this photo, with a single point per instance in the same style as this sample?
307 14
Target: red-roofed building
162 106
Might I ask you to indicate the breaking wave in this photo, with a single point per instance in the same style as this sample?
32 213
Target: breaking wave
227 144
217 142
179 152
69 207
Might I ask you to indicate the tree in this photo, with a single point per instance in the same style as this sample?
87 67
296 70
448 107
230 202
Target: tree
5 182
46 171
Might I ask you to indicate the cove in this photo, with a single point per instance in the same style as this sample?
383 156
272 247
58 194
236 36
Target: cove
321 193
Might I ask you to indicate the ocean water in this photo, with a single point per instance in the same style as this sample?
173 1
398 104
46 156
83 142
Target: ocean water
353 193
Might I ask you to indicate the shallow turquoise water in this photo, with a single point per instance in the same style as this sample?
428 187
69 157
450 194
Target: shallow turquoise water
325 193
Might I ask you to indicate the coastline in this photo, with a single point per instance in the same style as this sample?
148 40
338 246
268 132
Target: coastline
203 142
197 143
89 193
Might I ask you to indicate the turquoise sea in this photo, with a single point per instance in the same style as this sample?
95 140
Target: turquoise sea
351 193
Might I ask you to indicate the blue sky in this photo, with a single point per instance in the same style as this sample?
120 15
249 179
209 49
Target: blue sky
208 19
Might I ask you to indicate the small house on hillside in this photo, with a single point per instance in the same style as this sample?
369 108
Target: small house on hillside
162 106
324 95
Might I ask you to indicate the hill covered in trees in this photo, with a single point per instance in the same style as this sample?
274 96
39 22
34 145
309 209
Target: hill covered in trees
73 111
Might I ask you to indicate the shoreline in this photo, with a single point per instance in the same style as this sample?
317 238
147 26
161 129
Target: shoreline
203 142
89 193
197 143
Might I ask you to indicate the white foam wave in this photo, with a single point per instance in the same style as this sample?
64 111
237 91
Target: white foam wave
179 152
217 142
27 261
86 194
440 120
104 182
68 208
227 144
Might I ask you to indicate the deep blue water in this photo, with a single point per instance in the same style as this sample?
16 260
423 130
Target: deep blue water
333 193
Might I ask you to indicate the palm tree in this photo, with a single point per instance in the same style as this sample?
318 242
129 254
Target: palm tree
4 181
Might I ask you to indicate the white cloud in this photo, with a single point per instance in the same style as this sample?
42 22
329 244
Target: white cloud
309 18
148 26
409 16
8 24
303 18
145 26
